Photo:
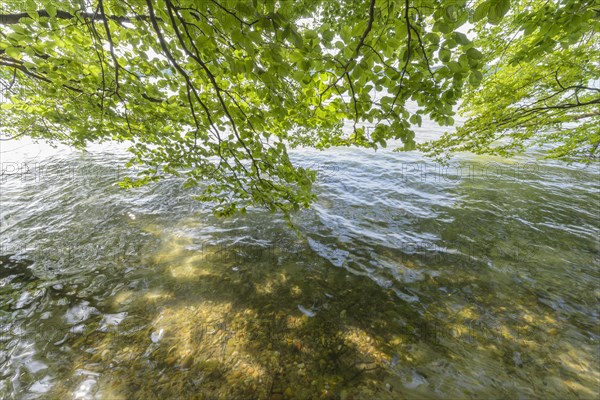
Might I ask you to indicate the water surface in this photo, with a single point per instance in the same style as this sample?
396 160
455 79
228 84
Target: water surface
408 280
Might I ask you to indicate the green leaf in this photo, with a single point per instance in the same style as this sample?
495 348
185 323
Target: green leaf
442 27
416 119
455 67
498 10
51 9
13 52
433 38
311 34
328 36
503 6
444 55
461 38
481 11
474 54
296 38
475 78
346 34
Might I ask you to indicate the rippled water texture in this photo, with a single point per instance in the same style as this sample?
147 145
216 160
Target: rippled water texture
408 281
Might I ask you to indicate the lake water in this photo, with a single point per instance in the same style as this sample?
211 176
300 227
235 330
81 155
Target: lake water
407 280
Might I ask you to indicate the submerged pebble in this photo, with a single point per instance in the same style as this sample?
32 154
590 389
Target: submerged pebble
309 313
517 359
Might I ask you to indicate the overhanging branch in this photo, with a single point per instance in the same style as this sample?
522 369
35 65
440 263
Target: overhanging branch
12 19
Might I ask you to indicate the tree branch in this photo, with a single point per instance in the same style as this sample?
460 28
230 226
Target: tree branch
361 42
12 19
408 26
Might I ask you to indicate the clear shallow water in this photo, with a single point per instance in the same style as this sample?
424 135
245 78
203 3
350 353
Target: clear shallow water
408 281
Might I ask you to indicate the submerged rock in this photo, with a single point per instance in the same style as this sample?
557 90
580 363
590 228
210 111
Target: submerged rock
14 268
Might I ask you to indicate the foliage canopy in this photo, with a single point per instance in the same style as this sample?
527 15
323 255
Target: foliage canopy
542 83
218 90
